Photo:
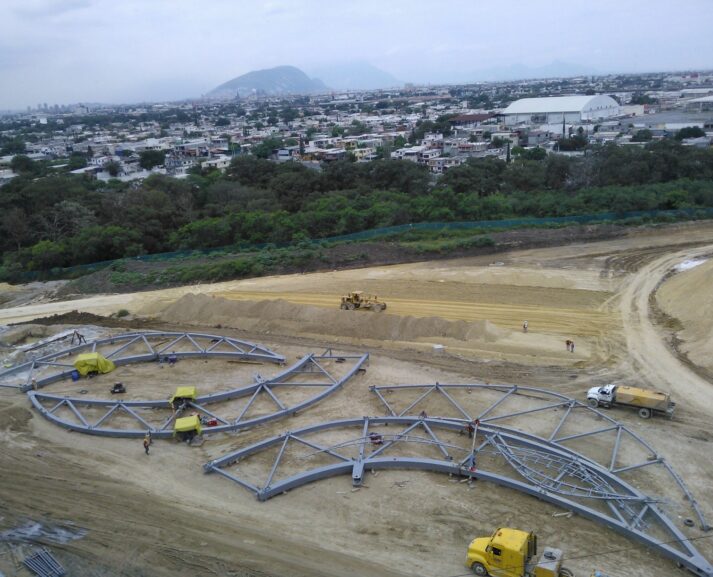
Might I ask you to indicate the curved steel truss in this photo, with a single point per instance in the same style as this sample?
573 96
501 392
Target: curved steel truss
129 348
324 373
546 415
537 467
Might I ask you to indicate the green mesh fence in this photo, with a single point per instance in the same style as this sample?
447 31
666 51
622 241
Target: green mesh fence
680 214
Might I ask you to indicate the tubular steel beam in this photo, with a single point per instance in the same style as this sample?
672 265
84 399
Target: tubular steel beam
201 345
677 547
266 386
555 400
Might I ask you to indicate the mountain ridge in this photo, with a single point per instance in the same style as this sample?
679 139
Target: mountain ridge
270 81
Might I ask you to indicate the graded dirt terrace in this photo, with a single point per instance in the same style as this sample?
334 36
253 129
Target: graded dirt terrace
161 515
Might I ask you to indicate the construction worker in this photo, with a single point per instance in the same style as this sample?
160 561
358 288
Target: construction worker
571 346
524 327
568 344
376 439
147 442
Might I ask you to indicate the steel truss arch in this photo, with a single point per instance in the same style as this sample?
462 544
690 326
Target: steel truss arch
489 411
309 367
124 349
617 504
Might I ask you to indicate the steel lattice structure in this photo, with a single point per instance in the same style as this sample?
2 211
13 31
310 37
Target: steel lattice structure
308 373
544 469
133 348
611 435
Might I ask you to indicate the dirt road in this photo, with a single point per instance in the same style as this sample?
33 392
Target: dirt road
651 359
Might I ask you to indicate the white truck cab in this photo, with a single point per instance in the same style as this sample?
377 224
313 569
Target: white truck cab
603 396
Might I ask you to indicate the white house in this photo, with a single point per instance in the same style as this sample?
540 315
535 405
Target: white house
558 109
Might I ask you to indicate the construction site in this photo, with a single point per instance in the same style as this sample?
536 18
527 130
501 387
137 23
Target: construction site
543 412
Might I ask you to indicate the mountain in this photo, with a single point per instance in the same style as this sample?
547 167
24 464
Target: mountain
271 81
355 76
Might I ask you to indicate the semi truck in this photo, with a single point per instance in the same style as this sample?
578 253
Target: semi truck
646 401
513 553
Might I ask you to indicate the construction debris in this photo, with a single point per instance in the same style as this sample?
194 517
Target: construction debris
43 564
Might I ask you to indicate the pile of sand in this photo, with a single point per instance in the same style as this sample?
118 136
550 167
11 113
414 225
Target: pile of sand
282 317
687 296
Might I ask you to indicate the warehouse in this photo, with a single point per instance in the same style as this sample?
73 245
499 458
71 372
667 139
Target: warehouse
556 109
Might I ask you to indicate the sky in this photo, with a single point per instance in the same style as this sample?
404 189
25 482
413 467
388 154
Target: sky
123 51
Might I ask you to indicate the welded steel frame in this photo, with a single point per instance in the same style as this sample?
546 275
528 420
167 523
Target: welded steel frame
202 345
570 405
310 364
629 523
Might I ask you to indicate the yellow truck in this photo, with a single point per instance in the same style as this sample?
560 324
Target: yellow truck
646 401
512 553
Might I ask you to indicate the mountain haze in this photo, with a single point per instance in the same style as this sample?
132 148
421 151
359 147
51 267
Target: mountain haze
271 81
355 76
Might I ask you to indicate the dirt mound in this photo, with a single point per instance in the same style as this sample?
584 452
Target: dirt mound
15 418
279 316
82 318
687 297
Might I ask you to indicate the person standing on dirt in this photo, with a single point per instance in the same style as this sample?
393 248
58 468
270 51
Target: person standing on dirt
147 442
571 346
568 344
524 327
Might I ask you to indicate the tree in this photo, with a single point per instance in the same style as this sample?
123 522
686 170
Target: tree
643 135
222 121
690 132
150 158
15 225
76 161
112 167
13 146
22 164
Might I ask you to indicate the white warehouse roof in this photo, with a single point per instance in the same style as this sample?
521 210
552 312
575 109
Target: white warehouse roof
560 104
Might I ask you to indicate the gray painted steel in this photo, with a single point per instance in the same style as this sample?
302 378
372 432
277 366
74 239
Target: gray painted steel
573 409
626 509
308 366
155 345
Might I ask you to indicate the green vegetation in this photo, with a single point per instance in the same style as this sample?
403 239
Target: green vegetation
49 221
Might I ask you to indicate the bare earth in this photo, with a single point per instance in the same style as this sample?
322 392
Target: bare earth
160 515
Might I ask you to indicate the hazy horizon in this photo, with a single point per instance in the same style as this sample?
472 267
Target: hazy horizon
66 51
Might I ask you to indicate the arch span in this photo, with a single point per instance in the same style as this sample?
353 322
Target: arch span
124 349
536 467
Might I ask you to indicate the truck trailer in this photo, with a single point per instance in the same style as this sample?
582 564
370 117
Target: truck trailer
646 401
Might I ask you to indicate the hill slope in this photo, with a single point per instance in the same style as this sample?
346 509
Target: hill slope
271 81
356 76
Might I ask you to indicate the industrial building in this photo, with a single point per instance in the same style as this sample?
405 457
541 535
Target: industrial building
557 109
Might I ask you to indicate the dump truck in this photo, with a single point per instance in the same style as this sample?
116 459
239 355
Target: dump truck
512 553
359 300
646 401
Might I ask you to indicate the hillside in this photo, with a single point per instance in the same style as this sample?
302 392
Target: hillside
270 81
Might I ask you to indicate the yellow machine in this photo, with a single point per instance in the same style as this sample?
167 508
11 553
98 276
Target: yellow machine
186 428
512 553
359 300
182 397
93 363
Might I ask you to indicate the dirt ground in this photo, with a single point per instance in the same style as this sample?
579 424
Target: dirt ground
161 515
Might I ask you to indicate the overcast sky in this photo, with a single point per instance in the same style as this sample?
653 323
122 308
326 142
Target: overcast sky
65 51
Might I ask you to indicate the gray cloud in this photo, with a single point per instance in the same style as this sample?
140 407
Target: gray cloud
133 50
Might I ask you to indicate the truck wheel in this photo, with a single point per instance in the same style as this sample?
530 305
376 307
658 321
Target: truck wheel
593 403
644 413
343 307
479 569
350 306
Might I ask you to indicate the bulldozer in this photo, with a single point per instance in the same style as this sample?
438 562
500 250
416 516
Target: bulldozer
512 553
359 300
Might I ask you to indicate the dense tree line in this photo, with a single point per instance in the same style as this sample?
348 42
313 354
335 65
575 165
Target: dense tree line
55 220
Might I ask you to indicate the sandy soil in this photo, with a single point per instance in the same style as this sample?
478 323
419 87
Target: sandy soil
160 515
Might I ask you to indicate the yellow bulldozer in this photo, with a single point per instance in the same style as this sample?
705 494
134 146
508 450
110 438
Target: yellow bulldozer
359 300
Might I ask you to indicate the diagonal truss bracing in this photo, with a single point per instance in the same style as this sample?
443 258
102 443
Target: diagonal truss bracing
534 466
498 403
308 374
129 348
